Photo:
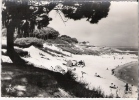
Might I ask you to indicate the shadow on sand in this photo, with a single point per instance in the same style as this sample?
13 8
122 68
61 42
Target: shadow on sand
48 79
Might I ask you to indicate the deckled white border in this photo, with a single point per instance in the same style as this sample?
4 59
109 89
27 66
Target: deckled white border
12 98
0 42
3 98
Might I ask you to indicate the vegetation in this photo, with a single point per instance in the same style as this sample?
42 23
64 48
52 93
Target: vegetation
64 45
57 41
41 83
71 50
68 39
44 82
44 33
21 52
26 42
24 15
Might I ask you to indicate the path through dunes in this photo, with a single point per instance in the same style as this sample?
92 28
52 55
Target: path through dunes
128 73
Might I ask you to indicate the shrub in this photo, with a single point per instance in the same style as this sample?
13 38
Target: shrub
91 52
69 39
57 41
74 40
21 52
71 50
45 33
26 42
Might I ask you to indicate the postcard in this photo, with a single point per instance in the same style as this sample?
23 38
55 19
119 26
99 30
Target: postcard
69 49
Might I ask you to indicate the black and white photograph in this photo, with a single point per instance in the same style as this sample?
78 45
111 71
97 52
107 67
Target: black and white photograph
69 49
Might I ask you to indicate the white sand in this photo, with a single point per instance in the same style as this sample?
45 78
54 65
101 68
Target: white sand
47 62
94 64
99 64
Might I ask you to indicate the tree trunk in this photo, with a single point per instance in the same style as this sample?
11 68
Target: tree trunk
10 46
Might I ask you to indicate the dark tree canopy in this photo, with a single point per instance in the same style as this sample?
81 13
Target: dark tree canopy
93 11
25 15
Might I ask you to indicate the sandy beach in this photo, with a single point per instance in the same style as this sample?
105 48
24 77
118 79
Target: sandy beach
99 65
102 65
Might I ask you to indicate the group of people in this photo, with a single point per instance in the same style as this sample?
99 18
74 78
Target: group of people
71 63
119 58
82 63
128 88
113 86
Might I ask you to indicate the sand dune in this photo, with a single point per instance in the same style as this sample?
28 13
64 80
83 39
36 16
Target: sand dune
94 64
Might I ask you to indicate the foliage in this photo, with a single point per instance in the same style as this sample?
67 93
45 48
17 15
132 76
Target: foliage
21 52
77 50
78 89
57 41
45 33
60 43
41 83
68 39
45 80
25 15
91 52
26 42
92 11
71 50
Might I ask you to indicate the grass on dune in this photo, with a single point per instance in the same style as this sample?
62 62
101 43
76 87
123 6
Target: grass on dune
36 82
40 81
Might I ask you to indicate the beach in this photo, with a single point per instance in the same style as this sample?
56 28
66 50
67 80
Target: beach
102 65
99 65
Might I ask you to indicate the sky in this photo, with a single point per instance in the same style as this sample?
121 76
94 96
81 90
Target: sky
119 28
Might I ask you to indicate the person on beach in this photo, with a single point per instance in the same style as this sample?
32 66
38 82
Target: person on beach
112 71
117 92
81 63
111 86
83 73
130 89
114 86
97 75
126 88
